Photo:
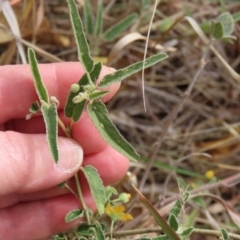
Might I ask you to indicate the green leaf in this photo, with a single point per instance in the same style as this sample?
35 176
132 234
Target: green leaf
75 110
173 222
96 95
227 22
224 234
119 27
74 214
39 86
98 232
62 185
162 237
166 24
109 191
78 110
199 201
99 115
96 72
70 106
187 232
99 21
159 219
176 210
83 49
218 31
120 74
34 107
236 16
96 187
60 236
87 16
85 229
50 118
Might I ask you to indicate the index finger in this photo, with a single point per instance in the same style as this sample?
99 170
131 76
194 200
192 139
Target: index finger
17 90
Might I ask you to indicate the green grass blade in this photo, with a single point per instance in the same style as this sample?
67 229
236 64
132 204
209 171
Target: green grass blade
99 21
119 27
121 74
99 115
87 16
159 219
50 118
83 48
39 86
96 187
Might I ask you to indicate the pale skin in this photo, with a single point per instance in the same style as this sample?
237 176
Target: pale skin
31 206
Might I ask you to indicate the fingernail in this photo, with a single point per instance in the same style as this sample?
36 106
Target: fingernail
70 155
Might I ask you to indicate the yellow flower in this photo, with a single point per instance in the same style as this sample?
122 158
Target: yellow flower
209 174
116 213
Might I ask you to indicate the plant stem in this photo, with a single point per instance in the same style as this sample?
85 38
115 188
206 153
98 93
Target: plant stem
111 230
79 191
62 126
80 196
89 79
70 190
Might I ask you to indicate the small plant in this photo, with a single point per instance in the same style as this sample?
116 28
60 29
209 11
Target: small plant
86 95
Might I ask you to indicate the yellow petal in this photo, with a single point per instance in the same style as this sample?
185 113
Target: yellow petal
126 217
118 209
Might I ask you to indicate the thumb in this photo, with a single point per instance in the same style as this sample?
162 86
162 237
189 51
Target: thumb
26 164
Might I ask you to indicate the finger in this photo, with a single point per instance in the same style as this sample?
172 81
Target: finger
18 93
40 219
29 164
83 131
110 164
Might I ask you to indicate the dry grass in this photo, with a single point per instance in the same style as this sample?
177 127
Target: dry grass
207 123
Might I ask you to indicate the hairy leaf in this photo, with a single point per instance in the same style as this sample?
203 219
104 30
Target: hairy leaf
83 48
39 86
50 118
218 31
99 115
121 74
224 233
96 95
73 215
227 22
173 222
96 187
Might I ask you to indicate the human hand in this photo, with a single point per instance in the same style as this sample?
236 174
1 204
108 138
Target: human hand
31 206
